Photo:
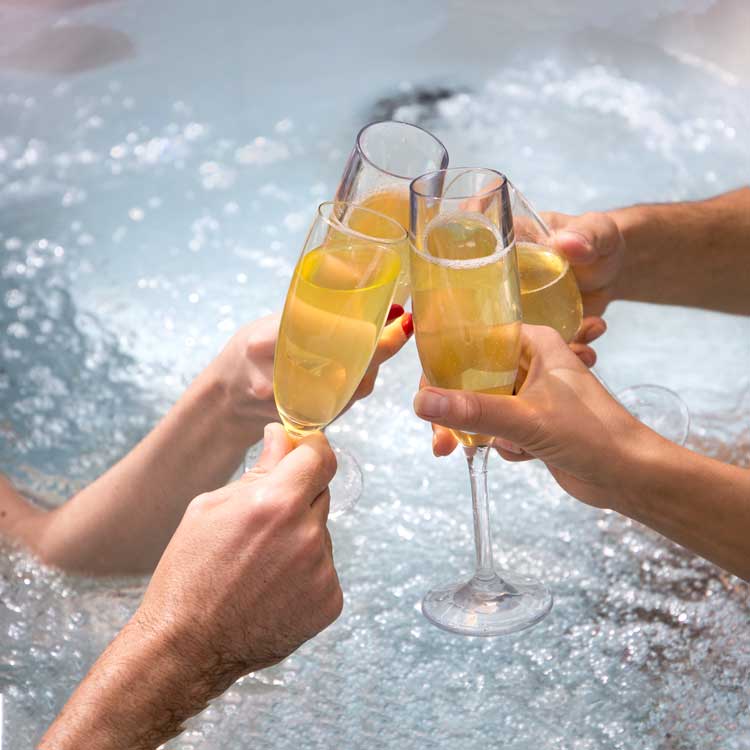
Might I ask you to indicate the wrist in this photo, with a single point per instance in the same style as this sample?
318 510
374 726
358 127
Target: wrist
637 228
646 466
242 424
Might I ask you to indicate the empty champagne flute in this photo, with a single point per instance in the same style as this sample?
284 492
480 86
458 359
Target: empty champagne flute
467 318
550 297
335 310
386 157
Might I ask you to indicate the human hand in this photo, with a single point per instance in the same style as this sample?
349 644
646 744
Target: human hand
595 248
249 576
245 367
561 415
444 441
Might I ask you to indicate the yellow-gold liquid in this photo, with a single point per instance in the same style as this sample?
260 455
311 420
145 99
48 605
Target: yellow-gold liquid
467 319
335 309
549 292
394 203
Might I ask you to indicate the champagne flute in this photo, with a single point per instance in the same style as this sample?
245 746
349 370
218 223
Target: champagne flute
550 297
335 310
386 157
467 318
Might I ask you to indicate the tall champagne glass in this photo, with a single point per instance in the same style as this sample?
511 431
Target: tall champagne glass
335 310
550 296
386 157
467 318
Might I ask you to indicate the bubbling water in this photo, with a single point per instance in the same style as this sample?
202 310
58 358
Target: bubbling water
134 241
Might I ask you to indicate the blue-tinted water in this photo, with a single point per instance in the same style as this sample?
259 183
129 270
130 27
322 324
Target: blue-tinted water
159 165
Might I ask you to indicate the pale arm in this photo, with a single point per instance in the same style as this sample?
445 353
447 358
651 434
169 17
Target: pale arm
603 456
696 501
123 520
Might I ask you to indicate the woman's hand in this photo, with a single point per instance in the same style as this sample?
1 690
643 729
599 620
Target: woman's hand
443 440
603 456
245 367
561 415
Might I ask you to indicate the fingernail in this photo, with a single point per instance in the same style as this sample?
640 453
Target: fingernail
407 323
430 405
396 311
575 244
267 435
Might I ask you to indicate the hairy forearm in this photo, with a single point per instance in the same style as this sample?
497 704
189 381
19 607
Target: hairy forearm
137 695
695 254
696 501
122 522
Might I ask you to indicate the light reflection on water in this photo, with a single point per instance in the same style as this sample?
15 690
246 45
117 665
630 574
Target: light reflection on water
140 226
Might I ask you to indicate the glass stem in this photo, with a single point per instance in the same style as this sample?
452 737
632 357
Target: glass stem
477 460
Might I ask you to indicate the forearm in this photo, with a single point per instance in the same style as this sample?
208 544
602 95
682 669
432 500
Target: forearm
136 696
695 254
698 502
123 521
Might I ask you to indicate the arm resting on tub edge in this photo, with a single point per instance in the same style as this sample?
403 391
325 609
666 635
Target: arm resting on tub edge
122 522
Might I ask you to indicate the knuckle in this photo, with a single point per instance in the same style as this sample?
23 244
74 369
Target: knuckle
268 504
312 542
263 389
470 410
327 463
255 343
533 431
335 602
547 337
202 503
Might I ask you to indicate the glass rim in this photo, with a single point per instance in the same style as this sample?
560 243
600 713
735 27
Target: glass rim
365 157
538 247
457 171
333 222
465 264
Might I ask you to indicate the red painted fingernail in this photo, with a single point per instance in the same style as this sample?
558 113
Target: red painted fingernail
408 325
396 311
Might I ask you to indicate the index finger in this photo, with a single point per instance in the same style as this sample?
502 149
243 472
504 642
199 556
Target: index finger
392 339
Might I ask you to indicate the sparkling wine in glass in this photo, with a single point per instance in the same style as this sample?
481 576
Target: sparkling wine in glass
467 318
550 297
335 310
386 157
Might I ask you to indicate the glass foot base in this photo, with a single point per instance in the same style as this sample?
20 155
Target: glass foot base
658 408
504 604
346 487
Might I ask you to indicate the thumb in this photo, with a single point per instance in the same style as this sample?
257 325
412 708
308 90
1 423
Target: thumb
276 445
584 239
508 417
